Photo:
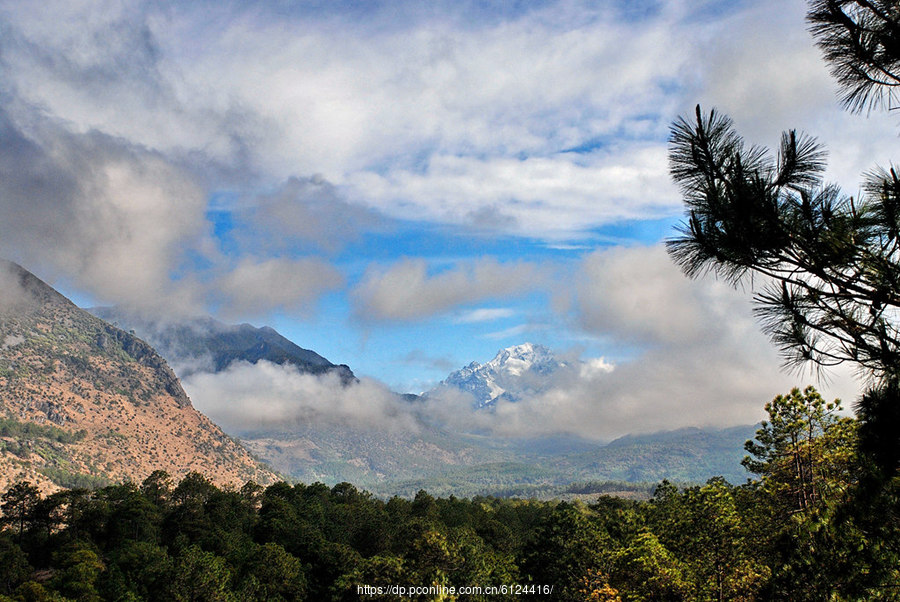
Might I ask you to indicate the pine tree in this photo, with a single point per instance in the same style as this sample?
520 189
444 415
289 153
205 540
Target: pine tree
833 261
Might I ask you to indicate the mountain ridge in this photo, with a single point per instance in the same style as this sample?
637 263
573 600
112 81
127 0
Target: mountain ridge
204 344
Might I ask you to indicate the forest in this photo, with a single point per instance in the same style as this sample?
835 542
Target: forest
819 523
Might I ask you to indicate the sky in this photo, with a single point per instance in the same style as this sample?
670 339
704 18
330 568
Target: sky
406 187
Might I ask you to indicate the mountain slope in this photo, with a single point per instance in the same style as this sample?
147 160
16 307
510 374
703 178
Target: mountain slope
82 401
207 345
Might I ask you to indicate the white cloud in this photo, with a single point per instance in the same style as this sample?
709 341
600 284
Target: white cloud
304 211
119 221
513 331
485 314
700 358
430 114
114 218
704 359
638 295
406 290
771 78
120 117
261 286
265 395
560 195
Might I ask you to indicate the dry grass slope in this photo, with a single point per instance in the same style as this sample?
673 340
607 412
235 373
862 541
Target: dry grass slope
62 367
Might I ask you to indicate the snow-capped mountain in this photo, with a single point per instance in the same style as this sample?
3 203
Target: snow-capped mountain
514 373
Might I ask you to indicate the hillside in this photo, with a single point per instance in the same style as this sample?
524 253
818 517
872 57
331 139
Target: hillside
83 402
446 463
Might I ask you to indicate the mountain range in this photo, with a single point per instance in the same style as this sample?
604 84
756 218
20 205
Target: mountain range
447 461
84 402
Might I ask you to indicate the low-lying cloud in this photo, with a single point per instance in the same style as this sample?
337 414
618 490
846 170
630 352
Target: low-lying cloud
12 294
247 397
702 356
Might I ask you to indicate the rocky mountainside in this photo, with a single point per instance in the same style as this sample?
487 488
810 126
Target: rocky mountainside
514 373
82 402
207 345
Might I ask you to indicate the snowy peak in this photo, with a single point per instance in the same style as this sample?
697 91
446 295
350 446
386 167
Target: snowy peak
514 374
520 359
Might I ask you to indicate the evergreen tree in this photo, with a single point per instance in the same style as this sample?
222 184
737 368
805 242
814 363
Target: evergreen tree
14 566
804 451
19 504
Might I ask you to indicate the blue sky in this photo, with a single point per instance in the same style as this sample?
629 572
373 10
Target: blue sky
406 187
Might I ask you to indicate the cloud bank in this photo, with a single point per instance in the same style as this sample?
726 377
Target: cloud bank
553 117
121 121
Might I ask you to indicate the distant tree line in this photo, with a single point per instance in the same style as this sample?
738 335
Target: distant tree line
796 533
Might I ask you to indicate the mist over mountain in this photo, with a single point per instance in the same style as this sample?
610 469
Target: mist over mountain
97 402
515 374
313 420
446 462
454 438
204 344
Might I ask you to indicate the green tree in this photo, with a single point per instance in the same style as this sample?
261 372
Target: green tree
832 258
200 577
431 558
157 487
14 566
563 551
132 515
647 571
804 451
379 571
704 534
32 591
274 575
78 570
860 39
805 454
19 504
144 567
721 564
